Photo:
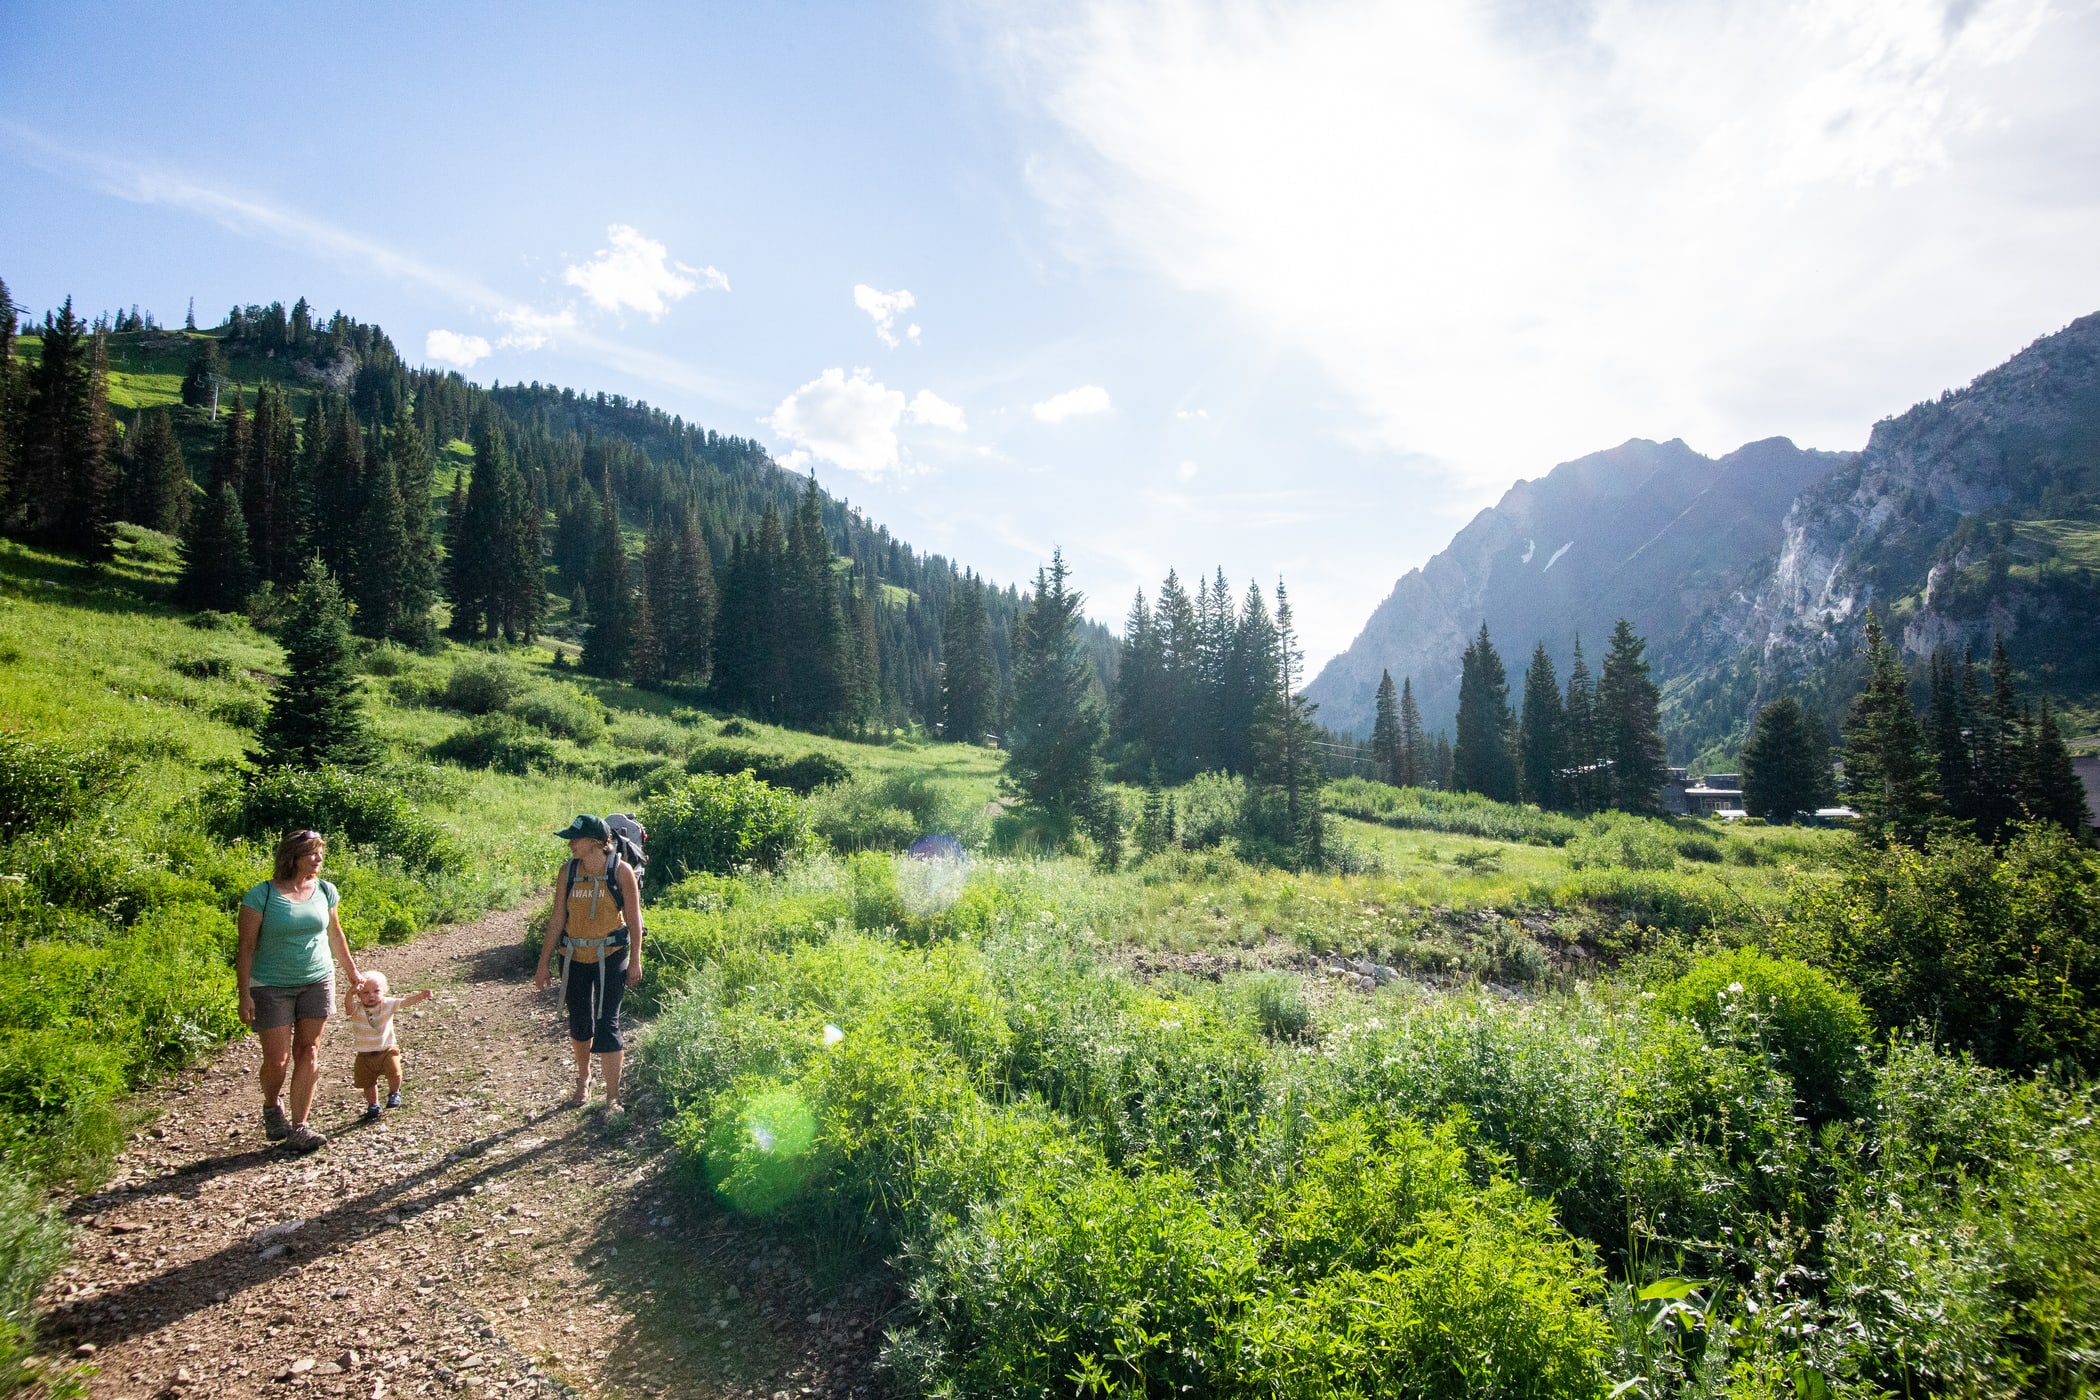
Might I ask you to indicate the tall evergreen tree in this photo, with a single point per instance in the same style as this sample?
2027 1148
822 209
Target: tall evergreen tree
410 464
1140 683
2001 743
1283 810
813 687
608 648
1415 754
1387 754
1786 773
2052 791
65 492
969 669
1585 785
1251 679
316 715
157 487
269 487
379 554
1542 734
1480 758
217 571
1888 767
200 381
1056 725
687 617
495 564
1629 720
1441 761
1950 728
645 665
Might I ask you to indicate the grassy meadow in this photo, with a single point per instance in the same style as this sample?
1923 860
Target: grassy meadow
1505 1103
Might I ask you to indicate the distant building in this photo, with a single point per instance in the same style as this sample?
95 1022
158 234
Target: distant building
1715 794
1673 790
2087 767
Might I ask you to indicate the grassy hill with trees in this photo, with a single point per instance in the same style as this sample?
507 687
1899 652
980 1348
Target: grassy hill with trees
1182 1068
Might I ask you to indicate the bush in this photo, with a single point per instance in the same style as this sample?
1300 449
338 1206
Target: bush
716 823
483 684
1997 951
45 786
1279 1006
497 741
1460 813
1207 809
564 713
1623 843
1703 849
1816 1030
802 775
357 808
888 814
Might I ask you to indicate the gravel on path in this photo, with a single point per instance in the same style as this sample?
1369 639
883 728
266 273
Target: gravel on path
483 1239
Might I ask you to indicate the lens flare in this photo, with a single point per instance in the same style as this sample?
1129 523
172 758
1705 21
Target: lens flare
760 1157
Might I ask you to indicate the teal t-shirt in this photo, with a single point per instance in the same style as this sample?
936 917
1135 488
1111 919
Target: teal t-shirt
291 949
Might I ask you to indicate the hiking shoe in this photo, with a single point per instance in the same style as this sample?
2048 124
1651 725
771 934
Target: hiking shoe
303 1139
393 1099
372 1113
276 1127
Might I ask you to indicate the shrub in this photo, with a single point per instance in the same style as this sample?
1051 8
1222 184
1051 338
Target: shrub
1815 1029
1207 809
497 741
1997 951
889 813
212 620
716 823
1278 1001
483 684
1623 843
45 786
1703 849
1460 813
802 775
564 713
358 808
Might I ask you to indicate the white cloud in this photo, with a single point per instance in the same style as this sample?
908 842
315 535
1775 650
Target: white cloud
452 348
884 308
636 273
1193 415
1073 403
848 420
1630 217
534 330
930 408
1186 471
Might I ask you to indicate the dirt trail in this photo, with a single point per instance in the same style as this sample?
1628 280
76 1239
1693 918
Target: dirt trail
481 1240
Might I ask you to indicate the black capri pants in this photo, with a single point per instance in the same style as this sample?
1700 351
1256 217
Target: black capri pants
594 1014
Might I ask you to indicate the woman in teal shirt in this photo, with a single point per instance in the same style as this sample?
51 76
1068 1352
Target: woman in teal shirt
288 926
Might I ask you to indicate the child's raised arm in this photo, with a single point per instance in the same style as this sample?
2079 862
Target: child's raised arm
413 997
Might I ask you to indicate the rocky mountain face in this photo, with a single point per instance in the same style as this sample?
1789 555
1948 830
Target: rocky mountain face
1752 573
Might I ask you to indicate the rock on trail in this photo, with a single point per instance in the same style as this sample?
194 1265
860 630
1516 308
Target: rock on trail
481 1240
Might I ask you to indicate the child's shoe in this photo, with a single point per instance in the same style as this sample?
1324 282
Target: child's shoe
372 1113
393 1098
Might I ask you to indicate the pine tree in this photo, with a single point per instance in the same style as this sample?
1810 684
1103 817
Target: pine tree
1282 815
229 462
1629 721
217 571
315 716
1250 678
1480 758
8 395
2052 791
1056 727
608 648
200 381
1387 755
687 621
157 488
1415 755
1786 773
1888 768
1140 681
2001 743
969 668
1951 728
270 487
65 492
1441 761
812 641
1585 785
379 557
646 652
1542 734
410 465
1174 618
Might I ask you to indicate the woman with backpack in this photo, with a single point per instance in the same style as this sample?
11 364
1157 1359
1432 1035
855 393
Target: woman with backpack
596 923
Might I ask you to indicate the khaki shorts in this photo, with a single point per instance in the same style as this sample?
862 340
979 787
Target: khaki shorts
374 1065
280 1006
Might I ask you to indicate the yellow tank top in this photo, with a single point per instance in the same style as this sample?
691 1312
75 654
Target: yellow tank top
592 913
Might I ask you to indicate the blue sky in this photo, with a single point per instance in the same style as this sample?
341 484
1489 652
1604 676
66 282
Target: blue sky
1291 288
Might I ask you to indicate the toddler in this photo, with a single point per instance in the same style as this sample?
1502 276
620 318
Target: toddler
371 1012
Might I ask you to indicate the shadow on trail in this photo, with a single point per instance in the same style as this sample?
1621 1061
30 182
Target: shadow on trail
168 1297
